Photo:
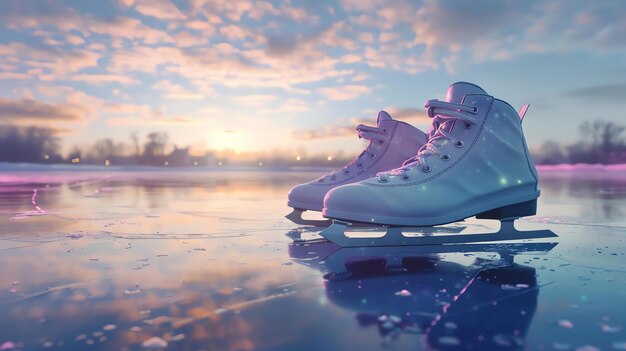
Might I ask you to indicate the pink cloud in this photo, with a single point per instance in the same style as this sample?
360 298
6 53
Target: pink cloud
130 28
187 39
161 9
346 92
74 39
409 115
97 79
14 76
175 91
29 111
55 62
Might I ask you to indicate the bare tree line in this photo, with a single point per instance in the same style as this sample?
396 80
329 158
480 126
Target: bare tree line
602 142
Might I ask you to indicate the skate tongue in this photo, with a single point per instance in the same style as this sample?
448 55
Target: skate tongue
383 116
457 91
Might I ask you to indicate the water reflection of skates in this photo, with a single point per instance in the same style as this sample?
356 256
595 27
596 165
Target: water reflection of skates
464 302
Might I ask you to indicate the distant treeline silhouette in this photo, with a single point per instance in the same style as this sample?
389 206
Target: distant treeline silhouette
602 142
28 144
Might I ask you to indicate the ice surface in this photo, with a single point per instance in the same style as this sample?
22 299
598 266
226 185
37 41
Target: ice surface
203 260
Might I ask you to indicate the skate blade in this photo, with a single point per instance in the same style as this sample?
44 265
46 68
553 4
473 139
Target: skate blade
296 217
336 233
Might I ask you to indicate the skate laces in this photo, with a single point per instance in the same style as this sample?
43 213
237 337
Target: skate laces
364 132
444 114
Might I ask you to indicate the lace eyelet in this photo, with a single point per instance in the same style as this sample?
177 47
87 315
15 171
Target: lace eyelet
468 125
475 109
406 177
359 165
430 111
445 157
459 144
347 171
381 180
373 156
385 130
426 169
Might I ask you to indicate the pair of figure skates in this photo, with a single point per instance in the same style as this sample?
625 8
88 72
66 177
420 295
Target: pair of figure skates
473 161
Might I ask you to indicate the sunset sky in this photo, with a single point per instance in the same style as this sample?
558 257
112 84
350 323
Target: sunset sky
298 75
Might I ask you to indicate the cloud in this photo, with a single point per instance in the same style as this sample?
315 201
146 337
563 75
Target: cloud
254 100
75 40
144 59
360 5
265 105
123 28
481 31
14 76
54 60
99 79
346 92
607 93
288 44
366 37
128 114
234 11
35 13
225 65
144 111
175 91
186 39
167 121
293 105
205 27
465 22
161 9
598 23
409 114
31 110
324 133
235 32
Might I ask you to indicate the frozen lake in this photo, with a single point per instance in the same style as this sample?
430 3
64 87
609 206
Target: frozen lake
206 261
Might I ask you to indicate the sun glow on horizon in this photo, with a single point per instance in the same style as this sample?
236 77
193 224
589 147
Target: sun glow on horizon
228 139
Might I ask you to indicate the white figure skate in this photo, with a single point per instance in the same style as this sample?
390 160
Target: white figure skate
476 163
390 143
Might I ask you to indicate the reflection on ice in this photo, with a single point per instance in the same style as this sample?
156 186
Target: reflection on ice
201 261
485 304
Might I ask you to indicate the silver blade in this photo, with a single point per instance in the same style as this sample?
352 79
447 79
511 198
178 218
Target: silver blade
394 236
296 217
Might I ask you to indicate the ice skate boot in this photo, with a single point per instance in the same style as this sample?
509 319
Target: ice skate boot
476 163
390 143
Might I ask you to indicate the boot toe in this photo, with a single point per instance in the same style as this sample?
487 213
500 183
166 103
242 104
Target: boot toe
352 199
306 197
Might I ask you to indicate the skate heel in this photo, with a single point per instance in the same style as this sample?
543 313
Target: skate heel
522 209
